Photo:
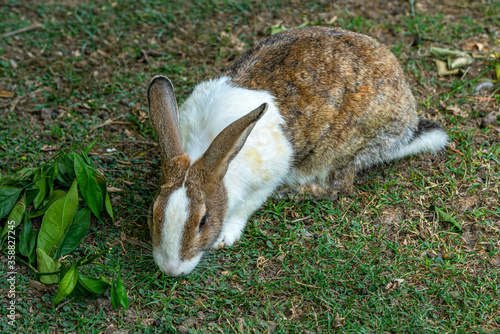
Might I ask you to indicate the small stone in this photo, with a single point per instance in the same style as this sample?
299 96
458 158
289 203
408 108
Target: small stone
46 114
111 329
488 120
104 303
115 201
183 329
103 115
147 322
449 255
190 322
137 198
131 315
81 64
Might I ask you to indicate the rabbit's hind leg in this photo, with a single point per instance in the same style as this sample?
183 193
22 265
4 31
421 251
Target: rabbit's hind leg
310 191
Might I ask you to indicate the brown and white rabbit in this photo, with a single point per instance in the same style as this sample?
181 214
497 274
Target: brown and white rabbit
326 103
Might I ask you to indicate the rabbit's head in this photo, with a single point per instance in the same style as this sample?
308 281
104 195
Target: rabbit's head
190 205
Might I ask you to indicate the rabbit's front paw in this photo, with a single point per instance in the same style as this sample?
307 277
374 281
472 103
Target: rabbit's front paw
229 236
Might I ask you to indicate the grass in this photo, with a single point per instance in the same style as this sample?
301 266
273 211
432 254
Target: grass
377 260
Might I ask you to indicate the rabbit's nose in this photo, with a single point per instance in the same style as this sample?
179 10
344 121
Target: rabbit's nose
172 270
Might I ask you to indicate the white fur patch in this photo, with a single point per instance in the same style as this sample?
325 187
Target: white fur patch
262 163
215 104
432 141
167 255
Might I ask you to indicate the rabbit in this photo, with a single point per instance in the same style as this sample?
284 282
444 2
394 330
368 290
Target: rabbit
302 111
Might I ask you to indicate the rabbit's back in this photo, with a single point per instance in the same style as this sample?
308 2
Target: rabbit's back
342 95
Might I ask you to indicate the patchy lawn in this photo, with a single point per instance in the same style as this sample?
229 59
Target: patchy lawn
376 260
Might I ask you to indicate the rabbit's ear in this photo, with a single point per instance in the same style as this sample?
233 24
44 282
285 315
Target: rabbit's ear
164 117
228 144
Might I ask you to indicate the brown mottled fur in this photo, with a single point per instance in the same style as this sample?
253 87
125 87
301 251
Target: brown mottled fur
342 96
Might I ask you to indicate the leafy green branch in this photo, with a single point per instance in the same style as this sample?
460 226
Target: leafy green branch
65 193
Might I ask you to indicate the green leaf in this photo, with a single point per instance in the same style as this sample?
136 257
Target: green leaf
118 293
121 292
277 28
66 172
109 207
46 264
87 149
10 181
57 219
31 195
27 240
497 70
444 53
86 159
89 188
16 215
54 196
444 217
69 166
8 198
75 233
26 172
51 177
94 285
114 298
41 184
67 284
63 271
107 202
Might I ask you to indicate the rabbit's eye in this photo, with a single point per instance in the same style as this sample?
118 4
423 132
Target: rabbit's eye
203 222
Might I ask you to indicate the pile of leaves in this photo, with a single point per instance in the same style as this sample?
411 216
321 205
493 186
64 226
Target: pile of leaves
64 193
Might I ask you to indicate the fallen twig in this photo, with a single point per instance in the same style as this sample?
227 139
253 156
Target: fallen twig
364 184
6 95
19 31
12 104
145 56
454 150
484 98
300 219
108 122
